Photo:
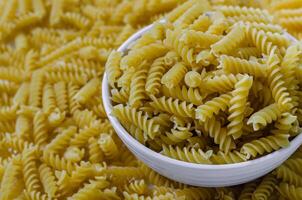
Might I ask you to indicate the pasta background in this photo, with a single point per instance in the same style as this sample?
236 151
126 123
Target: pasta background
55 140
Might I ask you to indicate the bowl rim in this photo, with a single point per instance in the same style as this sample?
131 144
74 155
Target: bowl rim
129 139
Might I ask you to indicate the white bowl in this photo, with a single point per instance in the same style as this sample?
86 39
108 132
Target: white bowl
191 173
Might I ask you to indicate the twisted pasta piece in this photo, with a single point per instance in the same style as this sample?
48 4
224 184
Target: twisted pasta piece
261 41
237 65
249 18
193 79
236 10
9 113
120 96
58 163
73 77
22 95
176 136
277 84
84 117
187 155
247 191
136 187
74 154
139 119
213 128
206 111
229 42
290 191
8 86
156 71
237 108
73 105
294 164
284 124
95 152
137 88
247 52
264 116
108 146
266 188
112 67
227 158
200 39
264 145
35 195
30 170
202 23
61 96
136 57
48 99
172 77
91 130
190 95
48 180
287 175
61 141
91 190
178 11
176 107
185 51
17 144
76 19
87 91
36 88
220 83
40 131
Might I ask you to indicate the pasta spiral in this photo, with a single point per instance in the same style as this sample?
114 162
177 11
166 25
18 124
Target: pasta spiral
227 158
265 145
287 175
265 188
237 65
40 129
188 155
190 95
112 68
48 180
137 186
137 118
137 88
290 191
176 107
108 146
206 111
175 74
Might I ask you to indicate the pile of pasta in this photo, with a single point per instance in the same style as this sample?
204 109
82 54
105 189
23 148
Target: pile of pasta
55 139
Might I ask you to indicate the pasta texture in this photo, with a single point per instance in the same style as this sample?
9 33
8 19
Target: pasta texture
56 142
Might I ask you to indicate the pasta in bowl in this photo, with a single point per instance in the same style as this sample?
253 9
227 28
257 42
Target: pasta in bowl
207 102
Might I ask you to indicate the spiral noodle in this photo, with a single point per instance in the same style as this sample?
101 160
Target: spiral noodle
284 124
95 152
40 131
137 88
36 88
287 175
187 155
202 23
9 113
48 180
81 138
60 89
264 116
176 136
108 146
173 42
247 52
84 118
156 71
139 119
208 109
150 52
213 128
294 164
173 77
248 18
229 42
73 77
58 163
8 87
265 145
120 96
112 67
236 10
30 170
61 141
248 191
179 11
199 39
87 91
237 65
290 191
190 95
266 188
173 106
73 105
237 108
261 41
17 144
48 99
227 158
220 83
136 187
277 84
